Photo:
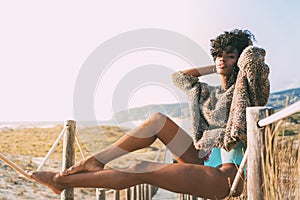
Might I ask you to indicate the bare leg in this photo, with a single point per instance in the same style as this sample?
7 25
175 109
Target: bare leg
157 127
193 179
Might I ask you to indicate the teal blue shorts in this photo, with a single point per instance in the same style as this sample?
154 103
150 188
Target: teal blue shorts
220 156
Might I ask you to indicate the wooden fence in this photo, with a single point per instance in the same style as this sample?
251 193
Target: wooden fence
257 119
138 192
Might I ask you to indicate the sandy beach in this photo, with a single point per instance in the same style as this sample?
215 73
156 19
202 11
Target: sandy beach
27 147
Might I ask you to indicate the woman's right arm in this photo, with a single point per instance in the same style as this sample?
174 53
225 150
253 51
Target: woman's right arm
188 79
199 71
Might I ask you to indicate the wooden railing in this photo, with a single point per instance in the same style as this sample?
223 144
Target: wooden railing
257 119
70 136
138 192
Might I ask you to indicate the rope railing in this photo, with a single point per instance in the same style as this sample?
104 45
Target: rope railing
79 144
14 166
51 149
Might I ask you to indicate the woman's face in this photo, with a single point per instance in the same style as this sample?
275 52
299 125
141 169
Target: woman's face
226 61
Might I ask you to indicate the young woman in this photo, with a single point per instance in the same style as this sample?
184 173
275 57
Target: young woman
218 127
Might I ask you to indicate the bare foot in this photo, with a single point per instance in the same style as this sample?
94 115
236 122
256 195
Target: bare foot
90 164
48 179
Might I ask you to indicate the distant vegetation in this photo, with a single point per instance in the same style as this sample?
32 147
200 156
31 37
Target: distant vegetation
277 100
142 113
294 119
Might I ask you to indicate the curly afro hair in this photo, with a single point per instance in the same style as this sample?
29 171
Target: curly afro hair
238 39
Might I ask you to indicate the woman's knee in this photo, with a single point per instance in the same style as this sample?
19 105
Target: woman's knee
158 117
156 121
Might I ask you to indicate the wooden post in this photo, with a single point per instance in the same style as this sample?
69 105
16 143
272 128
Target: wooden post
128 193
182 196
194 198
255 145
145 192
139 192
116 195
112 195
68 155
100 194
134 192
150 191
142 192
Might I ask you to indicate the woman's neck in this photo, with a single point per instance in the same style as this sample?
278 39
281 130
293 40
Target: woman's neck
228 79
224 82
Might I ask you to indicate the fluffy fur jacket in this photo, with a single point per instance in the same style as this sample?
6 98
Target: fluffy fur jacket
218 115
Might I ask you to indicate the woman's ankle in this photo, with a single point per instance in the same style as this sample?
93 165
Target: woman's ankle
96 161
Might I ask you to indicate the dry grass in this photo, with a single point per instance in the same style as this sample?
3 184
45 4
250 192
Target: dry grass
281 164
36 142
281 167
30 141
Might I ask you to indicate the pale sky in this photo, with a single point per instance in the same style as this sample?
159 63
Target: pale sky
44 45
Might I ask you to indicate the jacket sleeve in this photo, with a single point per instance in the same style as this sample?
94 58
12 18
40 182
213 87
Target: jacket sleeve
183 81
252 88
253 68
